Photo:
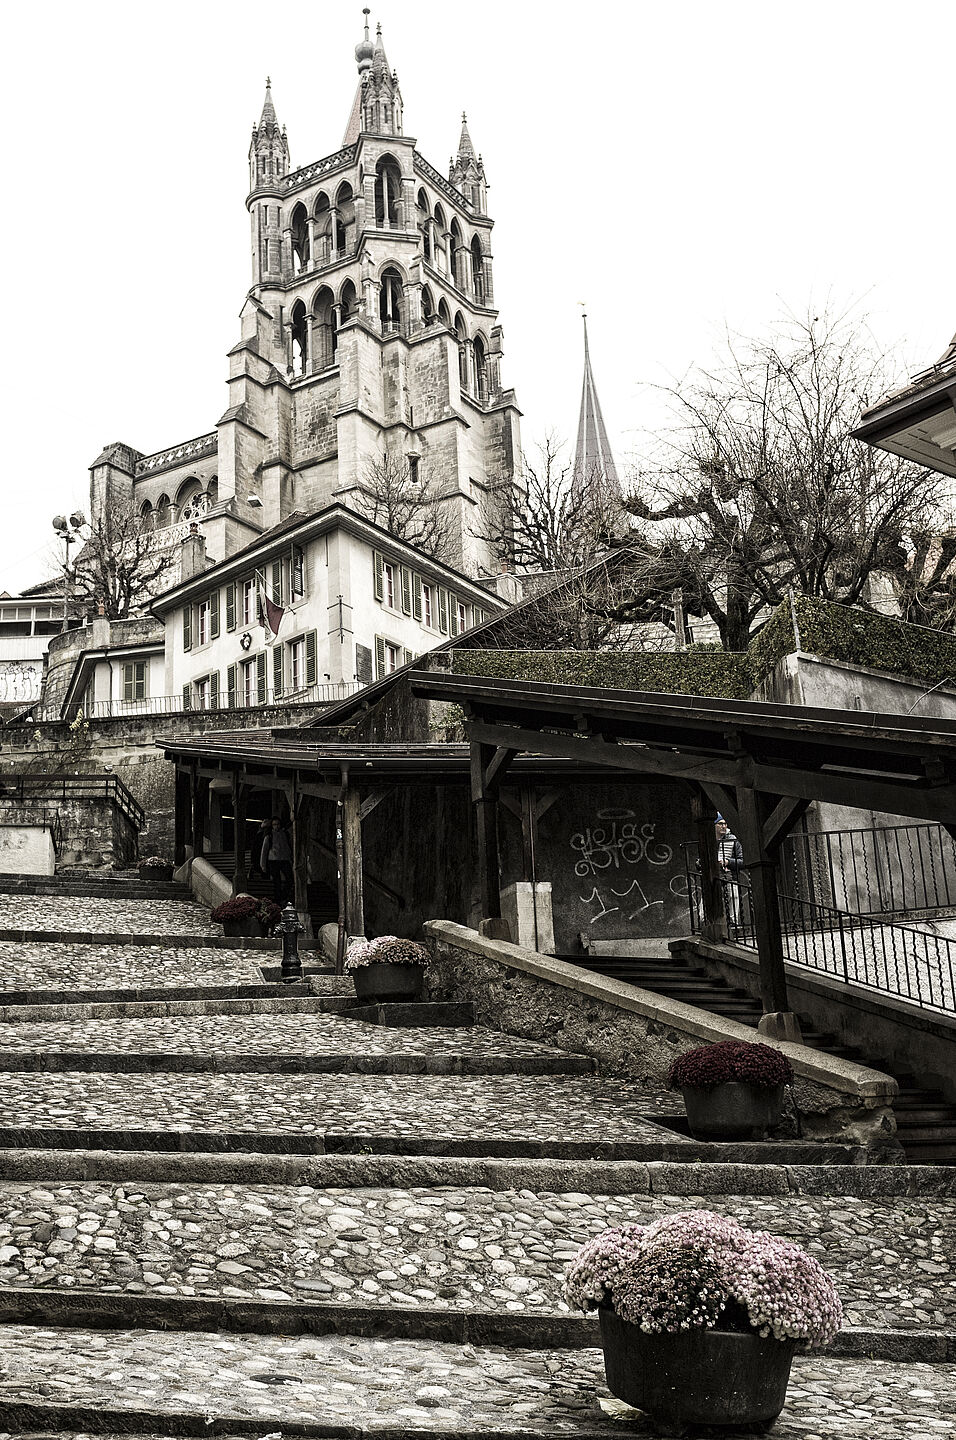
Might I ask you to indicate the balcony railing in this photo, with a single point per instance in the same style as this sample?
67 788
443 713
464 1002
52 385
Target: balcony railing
64 788
326 694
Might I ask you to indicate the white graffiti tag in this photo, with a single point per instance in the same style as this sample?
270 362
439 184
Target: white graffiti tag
604 910
616 842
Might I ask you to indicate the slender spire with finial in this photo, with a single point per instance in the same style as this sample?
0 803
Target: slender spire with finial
594 468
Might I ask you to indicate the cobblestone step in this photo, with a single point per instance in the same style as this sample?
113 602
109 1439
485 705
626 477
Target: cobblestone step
95 913
334 1386
466 1250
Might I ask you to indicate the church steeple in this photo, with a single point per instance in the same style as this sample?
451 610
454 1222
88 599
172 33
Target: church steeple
269 149
467 172
377 107
595 473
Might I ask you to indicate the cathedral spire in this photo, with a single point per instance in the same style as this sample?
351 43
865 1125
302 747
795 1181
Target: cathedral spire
377 107
467 173
269 150
594 469
466 150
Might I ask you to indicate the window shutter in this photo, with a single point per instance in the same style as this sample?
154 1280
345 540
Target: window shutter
186 696
298 571
128 682
214 690
406 590
277 581
452 615
231 607
311 670
231 686
187 627
378 580
407 657
379 657
214 615
417 596
261 677
277 670
443 611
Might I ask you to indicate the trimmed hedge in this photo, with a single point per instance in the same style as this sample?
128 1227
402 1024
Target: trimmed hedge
856 637
711 673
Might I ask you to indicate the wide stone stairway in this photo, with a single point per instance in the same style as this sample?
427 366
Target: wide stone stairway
229 1207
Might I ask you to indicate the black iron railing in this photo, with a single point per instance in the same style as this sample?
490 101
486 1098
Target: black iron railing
21 788
900 869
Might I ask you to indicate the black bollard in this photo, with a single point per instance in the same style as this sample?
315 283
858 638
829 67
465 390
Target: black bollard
291 964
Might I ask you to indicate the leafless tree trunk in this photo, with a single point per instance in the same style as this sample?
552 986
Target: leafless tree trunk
123 564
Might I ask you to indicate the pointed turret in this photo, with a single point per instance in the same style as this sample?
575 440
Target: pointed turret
269 149
595 473
377 107
467 172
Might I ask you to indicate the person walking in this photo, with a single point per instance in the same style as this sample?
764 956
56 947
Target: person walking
730 859
276 861
262 834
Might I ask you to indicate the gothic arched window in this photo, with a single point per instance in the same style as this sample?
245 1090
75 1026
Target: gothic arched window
345 209
300 342
478 270
391 304
301 253
481 370
388 189
324 328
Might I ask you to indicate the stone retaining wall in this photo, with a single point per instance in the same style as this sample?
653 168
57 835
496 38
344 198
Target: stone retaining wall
634 1034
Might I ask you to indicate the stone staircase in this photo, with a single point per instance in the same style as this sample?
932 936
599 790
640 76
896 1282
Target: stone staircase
238 1208
925 1118
322 900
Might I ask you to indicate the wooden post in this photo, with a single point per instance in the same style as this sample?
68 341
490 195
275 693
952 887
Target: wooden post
300 859
200 799
762 869
714 924
183 821
352 846
240 878
485 804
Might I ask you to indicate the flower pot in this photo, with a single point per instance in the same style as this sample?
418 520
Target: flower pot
249 928
732 1111
156 872
696 1377
382 981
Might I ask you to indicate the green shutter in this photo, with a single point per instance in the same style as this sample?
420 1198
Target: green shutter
377 580
214 690
277 581
379 657
186 696
187 627
311 669
128 683
443 611
406 590
261 677
277 670
231 606
214 615
407 657
297 579
231 686
417 596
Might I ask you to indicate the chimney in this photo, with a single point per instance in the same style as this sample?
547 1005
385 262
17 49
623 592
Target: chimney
192 560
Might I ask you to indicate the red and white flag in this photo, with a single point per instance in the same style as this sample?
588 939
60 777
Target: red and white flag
270 615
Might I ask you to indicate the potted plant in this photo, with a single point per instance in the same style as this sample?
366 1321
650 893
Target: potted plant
732 1090
239 916
387 968
700 1317
154 867
268 914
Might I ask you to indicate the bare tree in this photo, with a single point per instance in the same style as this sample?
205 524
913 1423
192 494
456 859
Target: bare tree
394 494
762 487
122 564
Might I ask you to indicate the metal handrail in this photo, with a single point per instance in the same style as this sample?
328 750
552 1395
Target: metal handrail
173 704
66 787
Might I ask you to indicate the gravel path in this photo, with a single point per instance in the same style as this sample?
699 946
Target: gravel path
416 1385
88 912
262 1034
444 1248
541 1108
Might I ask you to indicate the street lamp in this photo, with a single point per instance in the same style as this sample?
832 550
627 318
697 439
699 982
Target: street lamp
68 528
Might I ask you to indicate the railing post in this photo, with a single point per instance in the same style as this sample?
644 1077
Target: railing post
846 973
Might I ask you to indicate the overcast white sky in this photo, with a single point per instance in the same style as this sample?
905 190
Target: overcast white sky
680 167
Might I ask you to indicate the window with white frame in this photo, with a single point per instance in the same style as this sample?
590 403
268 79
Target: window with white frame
296 664
202 626
388 584
248 689
134 680
428 606
202 692
462 616
248 602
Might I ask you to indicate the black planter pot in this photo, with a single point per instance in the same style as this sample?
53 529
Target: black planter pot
697 1377
249 928
732 1111
156 872
383 981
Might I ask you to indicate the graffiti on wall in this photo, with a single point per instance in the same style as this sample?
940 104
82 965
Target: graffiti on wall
19 682
615 854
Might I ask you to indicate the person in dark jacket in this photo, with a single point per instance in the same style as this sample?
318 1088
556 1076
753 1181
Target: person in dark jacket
730 858
262 834
276 861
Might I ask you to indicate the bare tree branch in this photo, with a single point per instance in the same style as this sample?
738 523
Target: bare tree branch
394 496
123 564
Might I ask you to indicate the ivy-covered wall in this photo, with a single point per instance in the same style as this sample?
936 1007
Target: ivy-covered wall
690 672
856 637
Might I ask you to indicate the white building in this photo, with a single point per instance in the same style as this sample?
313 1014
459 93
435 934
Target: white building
356 604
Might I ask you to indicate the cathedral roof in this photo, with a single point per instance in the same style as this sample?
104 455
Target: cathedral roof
593 460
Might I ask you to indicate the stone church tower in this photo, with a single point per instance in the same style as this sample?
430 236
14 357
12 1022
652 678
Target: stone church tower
369 331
